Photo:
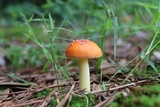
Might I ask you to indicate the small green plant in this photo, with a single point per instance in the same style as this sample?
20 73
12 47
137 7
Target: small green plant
54 102
43 93
83 101
28 106
146 96
48 49
151 89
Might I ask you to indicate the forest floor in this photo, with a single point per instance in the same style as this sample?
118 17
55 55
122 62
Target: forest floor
123 82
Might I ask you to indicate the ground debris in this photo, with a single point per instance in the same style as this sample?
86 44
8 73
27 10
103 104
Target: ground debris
22 95
32 87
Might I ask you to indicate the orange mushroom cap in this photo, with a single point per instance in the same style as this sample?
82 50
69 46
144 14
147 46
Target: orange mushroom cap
83 49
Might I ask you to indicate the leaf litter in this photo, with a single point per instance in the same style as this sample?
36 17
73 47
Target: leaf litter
20 89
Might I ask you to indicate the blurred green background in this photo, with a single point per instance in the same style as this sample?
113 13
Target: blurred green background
76 18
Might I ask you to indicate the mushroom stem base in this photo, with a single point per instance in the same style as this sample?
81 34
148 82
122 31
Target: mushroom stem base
84 74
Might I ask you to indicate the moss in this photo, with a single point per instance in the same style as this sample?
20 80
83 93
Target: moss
83 101
43 93
148 97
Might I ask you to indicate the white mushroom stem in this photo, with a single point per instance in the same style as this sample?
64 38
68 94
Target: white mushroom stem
84 74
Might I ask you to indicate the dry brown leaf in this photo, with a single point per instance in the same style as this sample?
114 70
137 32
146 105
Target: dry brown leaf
110 70
96 87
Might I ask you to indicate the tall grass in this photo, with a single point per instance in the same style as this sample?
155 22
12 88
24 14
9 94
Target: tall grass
155 42
49 53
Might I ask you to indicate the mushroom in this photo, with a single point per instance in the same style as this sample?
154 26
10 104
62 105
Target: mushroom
83 49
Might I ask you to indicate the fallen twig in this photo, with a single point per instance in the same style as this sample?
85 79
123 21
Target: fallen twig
39 89
66 97
118 87
28 103
46 100
111 98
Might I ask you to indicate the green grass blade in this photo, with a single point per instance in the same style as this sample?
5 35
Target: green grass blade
147 60
115 36
147 5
